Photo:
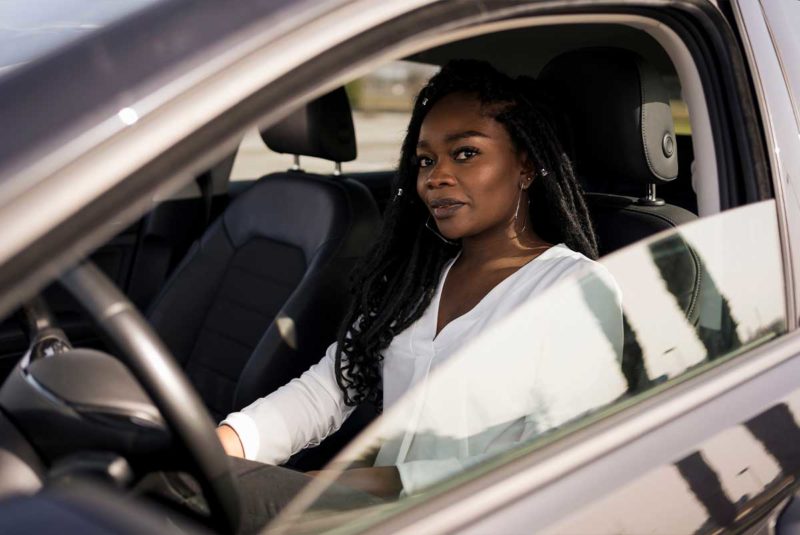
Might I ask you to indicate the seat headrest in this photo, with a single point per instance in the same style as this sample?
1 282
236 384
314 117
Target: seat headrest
323 128
618 108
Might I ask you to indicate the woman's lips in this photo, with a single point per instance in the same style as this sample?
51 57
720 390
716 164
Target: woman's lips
446 209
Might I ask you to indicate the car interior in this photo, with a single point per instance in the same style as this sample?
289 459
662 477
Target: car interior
245 280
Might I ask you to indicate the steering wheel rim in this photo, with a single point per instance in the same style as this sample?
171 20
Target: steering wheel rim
158 373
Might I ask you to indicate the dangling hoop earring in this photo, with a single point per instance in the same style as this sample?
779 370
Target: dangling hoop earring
437 233
516 212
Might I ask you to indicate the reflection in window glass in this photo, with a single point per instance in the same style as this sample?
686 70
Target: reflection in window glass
690 297
653 312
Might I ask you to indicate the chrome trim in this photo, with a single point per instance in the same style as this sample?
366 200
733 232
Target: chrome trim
41 389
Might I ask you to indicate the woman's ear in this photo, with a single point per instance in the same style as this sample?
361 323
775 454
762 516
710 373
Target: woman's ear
526 173
526 176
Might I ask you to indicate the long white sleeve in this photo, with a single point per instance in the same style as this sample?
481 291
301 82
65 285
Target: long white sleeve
297 415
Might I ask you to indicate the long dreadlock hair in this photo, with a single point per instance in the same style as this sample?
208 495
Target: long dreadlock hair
395 282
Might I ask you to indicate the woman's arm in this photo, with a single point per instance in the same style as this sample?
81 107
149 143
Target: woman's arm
230 441
297 415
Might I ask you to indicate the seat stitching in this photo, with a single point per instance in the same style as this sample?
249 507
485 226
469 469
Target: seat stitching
651 214
643 92
698 283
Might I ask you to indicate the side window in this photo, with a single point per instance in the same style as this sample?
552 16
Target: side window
381 103
645 318
709 291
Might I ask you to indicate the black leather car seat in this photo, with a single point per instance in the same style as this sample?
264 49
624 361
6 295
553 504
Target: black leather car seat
623 141
259 297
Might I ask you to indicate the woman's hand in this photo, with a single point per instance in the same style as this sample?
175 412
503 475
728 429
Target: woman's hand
230 441
383 481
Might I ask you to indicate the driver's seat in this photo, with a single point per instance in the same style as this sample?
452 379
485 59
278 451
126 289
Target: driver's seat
259 296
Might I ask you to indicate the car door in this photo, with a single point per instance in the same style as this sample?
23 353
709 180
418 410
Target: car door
706 440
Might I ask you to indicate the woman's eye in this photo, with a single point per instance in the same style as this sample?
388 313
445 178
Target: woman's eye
424 161
466 153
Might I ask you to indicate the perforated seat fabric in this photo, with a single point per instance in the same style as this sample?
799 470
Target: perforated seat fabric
258 299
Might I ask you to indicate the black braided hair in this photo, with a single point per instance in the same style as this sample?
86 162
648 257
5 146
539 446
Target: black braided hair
395 282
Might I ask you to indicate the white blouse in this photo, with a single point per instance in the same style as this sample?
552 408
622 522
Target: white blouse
458 411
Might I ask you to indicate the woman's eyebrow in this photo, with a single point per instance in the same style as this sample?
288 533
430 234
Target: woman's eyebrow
455 137
464 135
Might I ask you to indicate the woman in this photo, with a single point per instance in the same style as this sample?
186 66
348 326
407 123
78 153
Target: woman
485 193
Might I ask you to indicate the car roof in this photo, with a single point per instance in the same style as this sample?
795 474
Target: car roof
84 82
30 32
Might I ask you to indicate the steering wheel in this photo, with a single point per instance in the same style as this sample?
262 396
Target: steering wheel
153 366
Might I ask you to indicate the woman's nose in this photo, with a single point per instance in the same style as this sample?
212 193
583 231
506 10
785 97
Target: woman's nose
440 176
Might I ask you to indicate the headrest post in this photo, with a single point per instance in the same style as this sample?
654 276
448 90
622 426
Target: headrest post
296 165
651 199
337 170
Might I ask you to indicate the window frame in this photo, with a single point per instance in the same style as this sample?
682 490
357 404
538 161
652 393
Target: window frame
772 92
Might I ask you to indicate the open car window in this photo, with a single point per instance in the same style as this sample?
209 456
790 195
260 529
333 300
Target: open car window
598 341
381 102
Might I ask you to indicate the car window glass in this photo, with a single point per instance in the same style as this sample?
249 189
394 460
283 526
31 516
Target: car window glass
603 337
381 103
783 18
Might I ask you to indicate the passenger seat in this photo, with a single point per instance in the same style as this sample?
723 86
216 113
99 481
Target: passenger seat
623 138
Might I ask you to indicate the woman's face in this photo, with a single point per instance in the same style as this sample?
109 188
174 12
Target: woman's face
469 170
